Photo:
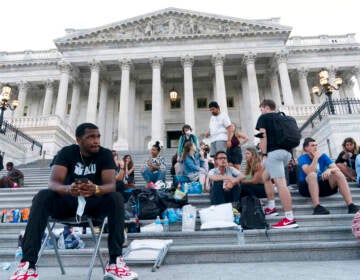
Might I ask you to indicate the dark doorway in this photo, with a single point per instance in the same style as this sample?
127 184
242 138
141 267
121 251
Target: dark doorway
173 138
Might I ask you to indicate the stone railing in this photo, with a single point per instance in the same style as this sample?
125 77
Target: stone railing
301 110
42 121
29 55
321 40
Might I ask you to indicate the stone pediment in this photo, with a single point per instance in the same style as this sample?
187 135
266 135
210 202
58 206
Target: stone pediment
171 24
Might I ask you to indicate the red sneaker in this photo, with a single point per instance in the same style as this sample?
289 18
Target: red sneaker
271 212
119 271
286 223
23 272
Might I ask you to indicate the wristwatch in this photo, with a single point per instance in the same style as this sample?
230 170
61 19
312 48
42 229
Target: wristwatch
97 190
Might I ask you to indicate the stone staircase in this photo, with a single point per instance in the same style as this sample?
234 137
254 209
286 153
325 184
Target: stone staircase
318 237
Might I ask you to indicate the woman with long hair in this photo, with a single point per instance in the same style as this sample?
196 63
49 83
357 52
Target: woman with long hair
154 168
186 136
234 153
346 159
126 174
193 164
253 183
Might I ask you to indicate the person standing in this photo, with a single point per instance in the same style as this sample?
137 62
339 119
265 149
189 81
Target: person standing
220 131
275 161
234 153
83 173
186 136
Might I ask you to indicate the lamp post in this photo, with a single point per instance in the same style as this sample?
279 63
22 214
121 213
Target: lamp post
326 87
173 94
6 103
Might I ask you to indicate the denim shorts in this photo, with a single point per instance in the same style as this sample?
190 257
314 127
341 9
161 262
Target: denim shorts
276 162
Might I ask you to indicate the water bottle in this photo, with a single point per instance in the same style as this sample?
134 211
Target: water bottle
166 224
240 235
18 255
158 224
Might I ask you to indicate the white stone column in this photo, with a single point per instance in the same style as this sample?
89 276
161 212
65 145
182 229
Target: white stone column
254 99
304 87
93 91
220 93
356 72
332 75
132 111
23 91
48 99
187 63
274 87
122 143
288 97
60 108
247 126
101 119
75 98
157 106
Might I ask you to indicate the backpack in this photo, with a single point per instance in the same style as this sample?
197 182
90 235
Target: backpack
252 214
144 203
287 132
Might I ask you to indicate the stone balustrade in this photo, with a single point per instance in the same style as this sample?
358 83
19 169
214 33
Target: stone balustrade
302 110
321 40
30 55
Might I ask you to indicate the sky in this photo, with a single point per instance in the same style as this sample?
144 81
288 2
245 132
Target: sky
34 24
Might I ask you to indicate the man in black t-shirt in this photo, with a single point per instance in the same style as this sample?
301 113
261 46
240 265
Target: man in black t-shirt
275 162
82 172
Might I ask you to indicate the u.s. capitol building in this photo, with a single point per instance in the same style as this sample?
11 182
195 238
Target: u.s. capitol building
119 76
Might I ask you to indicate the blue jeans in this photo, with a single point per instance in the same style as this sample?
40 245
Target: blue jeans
153 176
219 196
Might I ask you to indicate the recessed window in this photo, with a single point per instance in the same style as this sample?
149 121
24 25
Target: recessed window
26 109
147 105
230 102
202 103
68 109
176 104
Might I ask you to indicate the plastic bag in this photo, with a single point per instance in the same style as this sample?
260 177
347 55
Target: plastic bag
188 218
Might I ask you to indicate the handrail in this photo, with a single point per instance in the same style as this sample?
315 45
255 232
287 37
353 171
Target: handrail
342 106
20 137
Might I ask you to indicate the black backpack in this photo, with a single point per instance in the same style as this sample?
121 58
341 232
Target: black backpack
252 214
286 131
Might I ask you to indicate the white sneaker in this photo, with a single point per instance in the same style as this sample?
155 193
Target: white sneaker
119 271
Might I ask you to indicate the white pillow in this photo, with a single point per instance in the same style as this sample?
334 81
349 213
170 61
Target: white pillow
217 216
146 249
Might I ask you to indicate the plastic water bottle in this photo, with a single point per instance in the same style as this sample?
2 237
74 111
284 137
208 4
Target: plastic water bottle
166 224
18 255
158 224
240 235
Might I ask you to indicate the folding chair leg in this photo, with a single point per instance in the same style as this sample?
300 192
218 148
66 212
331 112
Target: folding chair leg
97 246
53 237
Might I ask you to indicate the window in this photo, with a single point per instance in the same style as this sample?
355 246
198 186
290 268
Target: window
175 104
68 109
147 105
230 102
25 113
202 102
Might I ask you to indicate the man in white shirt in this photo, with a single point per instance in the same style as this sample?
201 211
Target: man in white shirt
220 130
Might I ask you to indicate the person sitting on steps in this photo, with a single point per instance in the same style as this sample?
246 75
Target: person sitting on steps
154 168
319 176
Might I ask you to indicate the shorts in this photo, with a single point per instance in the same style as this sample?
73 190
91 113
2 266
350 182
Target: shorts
324 188
217 146
276 162
234 155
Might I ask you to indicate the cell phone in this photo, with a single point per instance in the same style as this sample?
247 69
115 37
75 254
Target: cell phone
81 180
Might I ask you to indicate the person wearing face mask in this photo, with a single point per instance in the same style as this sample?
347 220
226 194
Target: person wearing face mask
186 136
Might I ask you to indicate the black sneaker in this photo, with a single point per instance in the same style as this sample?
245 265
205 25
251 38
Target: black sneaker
352 208
321 210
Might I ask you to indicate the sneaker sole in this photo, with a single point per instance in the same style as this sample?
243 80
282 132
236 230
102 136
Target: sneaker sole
111 277
288 226
272 214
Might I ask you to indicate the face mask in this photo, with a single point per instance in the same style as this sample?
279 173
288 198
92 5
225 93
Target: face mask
81 207
187 132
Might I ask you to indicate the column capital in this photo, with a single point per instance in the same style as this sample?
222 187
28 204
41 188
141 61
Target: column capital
302 72
49 84
281 56
64 66
95 65
249 58
125 64
23 85
187 61
156 62
218 59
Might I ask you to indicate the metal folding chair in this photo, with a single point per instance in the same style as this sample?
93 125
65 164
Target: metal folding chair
84 221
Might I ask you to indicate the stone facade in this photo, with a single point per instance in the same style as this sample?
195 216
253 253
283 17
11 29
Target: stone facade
119 76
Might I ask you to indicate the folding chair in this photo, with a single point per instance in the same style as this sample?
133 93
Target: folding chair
84 221
147 251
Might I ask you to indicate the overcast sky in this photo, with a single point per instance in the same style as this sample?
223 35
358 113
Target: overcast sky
34 24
